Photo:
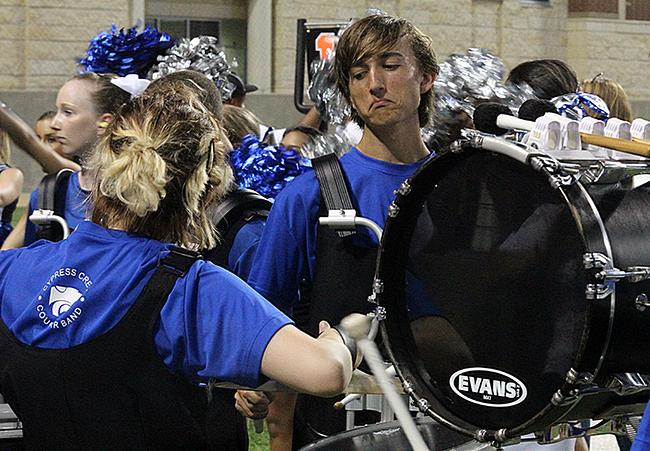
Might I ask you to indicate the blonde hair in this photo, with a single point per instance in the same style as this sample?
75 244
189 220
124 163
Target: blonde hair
5 147
239 122
160 164
612 93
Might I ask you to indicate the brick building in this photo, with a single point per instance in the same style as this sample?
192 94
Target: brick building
40 39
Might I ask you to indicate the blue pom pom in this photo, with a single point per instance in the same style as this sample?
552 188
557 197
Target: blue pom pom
265 168
125 52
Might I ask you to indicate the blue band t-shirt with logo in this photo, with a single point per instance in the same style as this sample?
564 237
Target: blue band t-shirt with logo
59 295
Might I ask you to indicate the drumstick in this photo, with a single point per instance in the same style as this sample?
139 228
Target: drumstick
622 145
358 326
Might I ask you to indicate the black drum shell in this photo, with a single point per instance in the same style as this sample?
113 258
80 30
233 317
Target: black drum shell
596 332
389 436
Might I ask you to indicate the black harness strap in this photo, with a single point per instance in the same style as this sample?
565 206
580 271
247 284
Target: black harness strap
333 187
238 208
52 193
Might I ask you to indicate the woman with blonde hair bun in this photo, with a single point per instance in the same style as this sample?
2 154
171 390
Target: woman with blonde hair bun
157 170
124 328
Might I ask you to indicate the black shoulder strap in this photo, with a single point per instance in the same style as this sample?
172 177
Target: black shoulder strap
333 187
52 192
179 260
239 207
237 201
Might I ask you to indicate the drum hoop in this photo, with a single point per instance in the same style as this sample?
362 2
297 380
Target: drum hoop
425 398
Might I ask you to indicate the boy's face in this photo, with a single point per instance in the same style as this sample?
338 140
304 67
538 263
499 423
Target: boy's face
385 89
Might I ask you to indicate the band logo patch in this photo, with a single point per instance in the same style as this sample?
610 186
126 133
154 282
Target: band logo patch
60 303
488 387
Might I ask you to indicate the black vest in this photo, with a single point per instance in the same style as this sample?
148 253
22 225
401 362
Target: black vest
341 285
113 392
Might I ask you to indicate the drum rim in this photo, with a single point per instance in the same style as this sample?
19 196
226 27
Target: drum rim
595 240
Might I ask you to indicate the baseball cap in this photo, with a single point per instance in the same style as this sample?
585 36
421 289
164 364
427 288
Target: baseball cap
241 88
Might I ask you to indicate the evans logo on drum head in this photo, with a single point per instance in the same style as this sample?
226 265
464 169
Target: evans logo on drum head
488 387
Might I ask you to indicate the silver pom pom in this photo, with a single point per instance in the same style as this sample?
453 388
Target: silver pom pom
464 82
323 91
202 54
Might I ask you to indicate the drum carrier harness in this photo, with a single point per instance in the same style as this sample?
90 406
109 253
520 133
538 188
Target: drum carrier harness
342 280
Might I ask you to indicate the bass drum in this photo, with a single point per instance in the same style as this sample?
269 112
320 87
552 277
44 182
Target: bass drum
389 436
535 327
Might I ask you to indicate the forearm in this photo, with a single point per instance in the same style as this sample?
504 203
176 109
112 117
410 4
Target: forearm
16 238
25 138
321 367
11 185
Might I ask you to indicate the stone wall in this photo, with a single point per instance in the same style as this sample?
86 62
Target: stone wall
618 48
513 29
40 39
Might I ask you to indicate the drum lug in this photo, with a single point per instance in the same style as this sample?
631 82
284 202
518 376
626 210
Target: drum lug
574 377
393 210
480 435
598 290
629 383
560 399
557 433
408 387
596 260
404 189
379 313
378 286
558 174
423 405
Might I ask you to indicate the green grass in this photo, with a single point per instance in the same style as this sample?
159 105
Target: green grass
257 442
17 214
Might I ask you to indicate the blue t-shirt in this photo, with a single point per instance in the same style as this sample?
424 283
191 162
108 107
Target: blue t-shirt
642 440
76 205
213 325
287 251
244 246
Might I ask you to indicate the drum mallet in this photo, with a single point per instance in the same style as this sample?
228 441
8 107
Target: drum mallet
357 326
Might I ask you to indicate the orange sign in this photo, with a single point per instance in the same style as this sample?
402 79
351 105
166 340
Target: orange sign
325 43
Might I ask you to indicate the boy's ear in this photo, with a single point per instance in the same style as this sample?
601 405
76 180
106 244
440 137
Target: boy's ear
427 82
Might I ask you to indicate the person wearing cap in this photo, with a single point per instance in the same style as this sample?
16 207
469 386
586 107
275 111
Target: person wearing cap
241 89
